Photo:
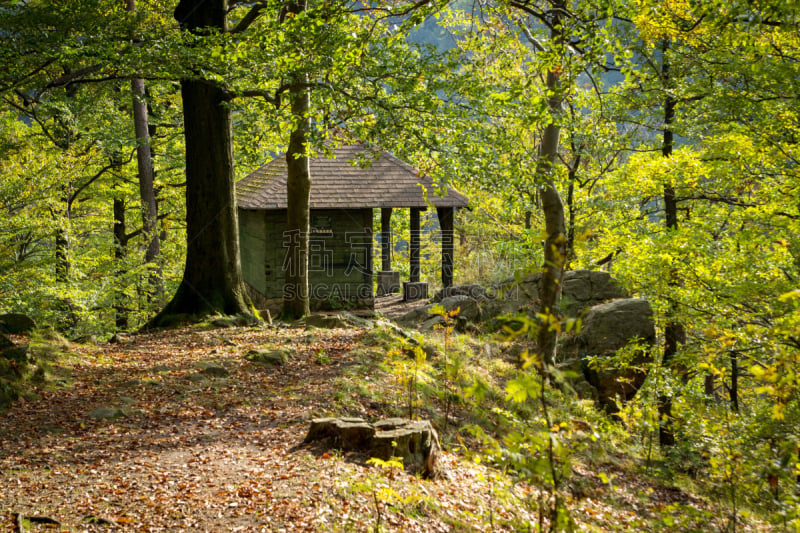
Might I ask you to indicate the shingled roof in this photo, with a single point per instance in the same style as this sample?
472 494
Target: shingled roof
338 184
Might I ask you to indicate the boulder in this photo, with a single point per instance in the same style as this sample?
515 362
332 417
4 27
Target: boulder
118 338
580 289
333 321
234 321
15 323
607 328
268 357
14 359
212 369
415 441
476 292
592 286
470 311
85 339
394 329
5 342
415 316
469 308
9 393
108 413
611 325
435 321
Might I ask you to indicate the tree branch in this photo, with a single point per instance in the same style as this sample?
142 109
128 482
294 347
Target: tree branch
274 99
88 182
249 18
66 79
139 231
716 199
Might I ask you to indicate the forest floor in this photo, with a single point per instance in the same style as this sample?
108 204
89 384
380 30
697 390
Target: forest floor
194 452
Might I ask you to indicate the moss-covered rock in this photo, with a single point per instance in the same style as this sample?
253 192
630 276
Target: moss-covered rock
16 323
212 369
268 357
9 393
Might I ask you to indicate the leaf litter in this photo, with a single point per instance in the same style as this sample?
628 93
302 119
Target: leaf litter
199 451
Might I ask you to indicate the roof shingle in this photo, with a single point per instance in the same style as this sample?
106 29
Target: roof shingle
338 184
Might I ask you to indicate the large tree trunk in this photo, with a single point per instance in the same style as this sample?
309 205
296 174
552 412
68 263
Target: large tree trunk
298 196
212 278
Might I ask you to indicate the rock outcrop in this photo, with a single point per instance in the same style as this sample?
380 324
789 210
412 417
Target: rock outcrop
581 290
611 321
607 329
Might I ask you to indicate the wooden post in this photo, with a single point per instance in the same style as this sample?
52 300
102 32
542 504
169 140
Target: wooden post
414 245
445 215
386 239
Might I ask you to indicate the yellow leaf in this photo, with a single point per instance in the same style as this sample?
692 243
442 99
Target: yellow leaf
789 295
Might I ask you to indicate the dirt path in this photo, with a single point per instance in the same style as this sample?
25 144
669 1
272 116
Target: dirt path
197 453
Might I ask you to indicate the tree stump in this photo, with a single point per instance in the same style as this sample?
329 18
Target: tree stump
415 441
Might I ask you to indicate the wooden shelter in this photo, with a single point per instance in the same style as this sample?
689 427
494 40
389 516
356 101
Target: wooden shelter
343 197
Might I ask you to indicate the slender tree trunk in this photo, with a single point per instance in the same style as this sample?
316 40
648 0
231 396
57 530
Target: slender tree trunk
674 333
62 251
212 277
734 381
62 256
298 195
573 172
120 251
555 246
709 384
144 161
160 227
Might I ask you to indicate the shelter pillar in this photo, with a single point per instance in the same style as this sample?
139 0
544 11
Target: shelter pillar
414 289
388 279
414 245
386 239
445 215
